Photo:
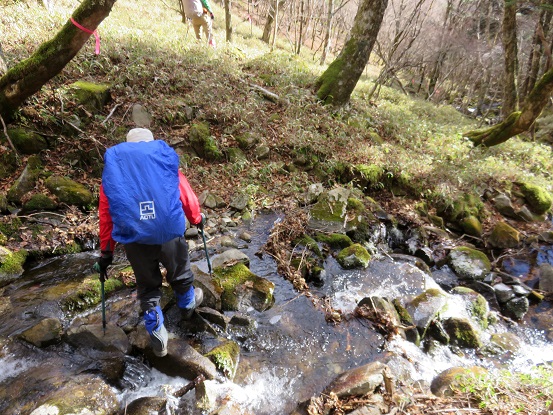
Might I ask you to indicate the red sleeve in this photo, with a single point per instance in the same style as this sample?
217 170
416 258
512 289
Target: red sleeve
189 201
106 225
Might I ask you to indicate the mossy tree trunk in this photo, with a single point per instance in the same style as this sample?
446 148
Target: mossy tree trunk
28 76
509 36
519 121
268 28
337 83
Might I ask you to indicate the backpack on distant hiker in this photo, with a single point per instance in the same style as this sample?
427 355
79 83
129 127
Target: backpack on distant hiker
141 183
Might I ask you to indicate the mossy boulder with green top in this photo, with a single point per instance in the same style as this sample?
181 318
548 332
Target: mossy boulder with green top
203 143
27 142
354 256
69 191
92 96
469 263
240 288
538 199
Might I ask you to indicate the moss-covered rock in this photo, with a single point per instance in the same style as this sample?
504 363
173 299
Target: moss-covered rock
80 296
469 263
538 199
464 206
27 142
69 191
11 263
477 306
203 143
328 213
92 96
462 332
334 240
236 155
240 288
307 242
26 181
504 236
8 164
39 202
225 357
453 378
354 256
471 225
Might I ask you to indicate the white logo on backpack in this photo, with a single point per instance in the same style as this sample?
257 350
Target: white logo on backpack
147 210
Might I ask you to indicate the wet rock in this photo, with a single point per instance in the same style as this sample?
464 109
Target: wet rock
504 236
462 332
245 236
477 306
426 306
358 381
241 289
504 343
228 242
181 359
225 357
443 384
146 405
69 191
354 256
546 278
487 291
46 332
214 317
191 232
503 292
93 336
516 308
229 257
469 263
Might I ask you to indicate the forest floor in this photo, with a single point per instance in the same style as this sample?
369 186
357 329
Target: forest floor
155 62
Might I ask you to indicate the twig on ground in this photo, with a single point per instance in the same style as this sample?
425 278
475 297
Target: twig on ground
8 137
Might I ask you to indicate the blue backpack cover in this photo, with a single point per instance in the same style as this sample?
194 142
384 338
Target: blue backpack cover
141 183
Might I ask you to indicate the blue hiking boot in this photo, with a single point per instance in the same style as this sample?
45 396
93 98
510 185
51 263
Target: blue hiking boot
189 301
153 320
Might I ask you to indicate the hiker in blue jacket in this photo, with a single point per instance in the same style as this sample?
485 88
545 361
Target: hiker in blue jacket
144 199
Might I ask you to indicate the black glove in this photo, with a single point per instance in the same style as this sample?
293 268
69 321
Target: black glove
102 264
211 15
201 224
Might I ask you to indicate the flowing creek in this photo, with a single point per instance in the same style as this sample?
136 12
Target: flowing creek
294 353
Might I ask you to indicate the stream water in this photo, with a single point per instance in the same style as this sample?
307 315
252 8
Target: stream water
294 352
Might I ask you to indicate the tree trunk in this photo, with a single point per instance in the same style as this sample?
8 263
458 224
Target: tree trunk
302 22
328 29
520 121
275 5
228 22
337 83
509 35
28 76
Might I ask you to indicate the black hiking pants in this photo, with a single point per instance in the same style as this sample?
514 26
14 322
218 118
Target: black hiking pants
145 260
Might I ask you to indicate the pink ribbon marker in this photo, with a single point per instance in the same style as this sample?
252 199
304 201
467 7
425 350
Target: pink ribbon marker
95 33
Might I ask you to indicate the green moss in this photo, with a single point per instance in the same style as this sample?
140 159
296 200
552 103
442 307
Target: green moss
353 256
472 226
309 243
13 263
69 191
477 305
10 227
355 205
93 96
225 358
227 279
39 202
327 81
538 199
88 294
335 240
404 315
70 248
371 173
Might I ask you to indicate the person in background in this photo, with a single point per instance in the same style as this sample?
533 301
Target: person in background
201 16
144 199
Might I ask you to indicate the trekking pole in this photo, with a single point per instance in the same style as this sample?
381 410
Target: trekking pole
102 279
206 253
